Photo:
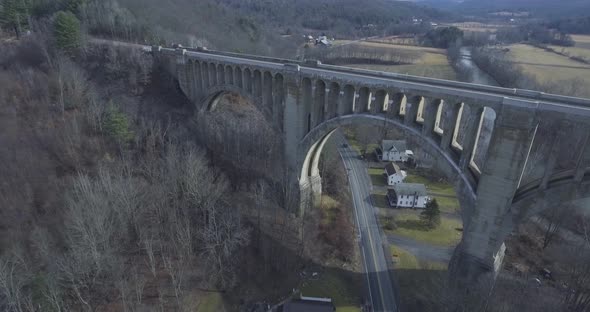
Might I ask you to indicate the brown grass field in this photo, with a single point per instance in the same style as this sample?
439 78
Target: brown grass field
430 62
547 66
582 41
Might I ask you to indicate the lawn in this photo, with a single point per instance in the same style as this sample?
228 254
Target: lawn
440 71
377 177
548 67
443 188
582 41
429 62
446 234
211 302
403 258
447 204
420 282
344 287
582 53
380 200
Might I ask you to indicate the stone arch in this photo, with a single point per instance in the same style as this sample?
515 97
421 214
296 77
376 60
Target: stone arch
205 75
312 144
247 80
267 91
381 102
197 77
229 75
257 84
238 77
319 104
484 134
278 93
333 100
306 90
347 103
214 94
398 105
531 199
221 74
212 75
364 100
419 100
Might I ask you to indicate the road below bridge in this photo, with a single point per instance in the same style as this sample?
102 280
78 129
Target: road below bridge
380 285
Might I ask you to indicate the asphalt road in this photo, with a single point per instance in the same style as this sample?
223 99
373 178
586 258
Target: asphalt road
381 289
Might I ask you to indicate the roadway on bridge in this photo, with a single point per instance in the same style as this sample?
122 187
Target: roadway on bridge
381 291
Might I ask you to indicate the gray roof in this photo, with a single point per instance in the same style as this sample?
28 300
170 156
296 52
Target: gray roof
399 145
392 168
410 189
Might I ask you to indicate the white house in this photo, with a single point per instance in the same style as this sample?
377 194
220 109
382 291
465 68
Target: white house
394 150
408 195
394 174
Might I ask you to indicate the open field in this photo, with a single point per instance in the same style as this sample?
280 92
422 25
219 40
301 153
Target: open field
547 66
576 52
427 62
410 225
582 41
339 285
476 26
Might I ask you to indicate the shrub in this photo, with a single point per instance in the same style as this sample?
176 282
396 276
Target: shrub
67 31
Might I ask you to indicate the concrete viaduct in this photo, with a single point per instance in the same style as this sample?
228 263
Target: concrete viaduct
537 156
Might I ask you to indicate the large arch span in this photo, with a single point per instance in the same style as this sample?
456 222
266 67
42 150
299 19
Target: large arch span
486 156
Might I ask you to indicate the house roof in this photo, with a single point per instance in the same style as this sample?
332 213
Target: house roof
392 168
410 189
298 305
398 145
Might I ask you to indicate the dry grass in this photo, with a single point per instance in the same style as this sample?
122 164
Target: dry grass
581 53
441 71
582 41
547 66
429 62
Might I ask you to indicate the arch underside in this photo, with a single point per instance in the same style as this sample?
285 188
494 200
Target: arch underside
210 100
312 144
562 190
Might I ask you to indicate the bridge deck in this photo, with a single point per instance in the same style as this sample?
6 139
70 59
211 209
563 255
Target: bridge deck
524 98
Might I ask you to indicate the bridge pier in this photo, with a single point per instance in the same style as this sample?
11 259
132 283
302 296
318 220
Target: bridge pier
487 224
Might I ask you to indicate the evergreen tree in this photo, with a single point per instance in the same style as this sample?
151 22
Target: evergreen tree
431 215
67 31
14 15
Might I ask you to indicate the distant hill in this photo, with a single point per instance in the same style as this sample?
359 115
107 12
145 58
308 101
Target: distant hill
541 8
258 26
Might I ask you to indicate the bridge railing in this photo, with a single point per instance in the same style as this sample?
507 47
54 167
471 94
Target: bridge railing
498 94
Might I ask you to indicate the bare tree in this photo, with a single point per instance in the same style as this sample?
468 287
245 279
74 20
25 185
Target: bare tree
555 219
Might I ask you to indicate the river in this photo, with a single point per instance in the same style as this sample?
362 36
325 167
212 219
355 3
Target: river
476 75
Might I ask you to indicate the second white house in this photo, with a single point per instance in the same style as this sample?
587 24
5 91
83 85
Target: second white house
394 175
